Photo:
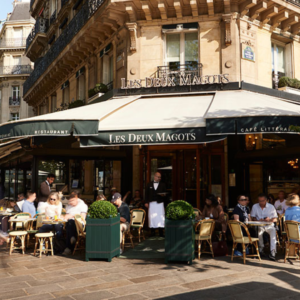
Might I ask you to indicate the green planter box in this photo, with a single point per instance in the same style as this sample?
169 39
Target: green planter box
179 241
102 238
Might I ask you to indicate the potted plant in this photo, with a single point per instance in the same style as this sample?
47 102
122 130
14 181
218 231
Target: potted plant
102 231
99 88
179 232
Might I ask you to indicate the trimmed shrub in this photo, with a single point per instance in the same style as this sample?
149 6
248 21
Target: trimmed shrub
290 82
179 210
76 103
99 88
102 210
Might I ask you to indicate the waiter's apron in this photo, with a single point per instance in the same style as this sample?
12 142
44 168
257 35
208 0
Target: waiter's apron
156 215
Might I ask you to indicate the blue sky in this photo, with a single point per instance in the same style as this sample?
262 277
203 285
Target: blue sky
6 7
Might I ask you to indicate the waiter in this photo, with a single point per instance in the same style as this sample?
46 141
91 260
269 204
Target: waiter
156 197
45 191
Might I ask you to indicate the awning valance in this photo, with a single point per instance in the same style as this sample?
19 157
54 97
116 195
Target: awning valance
242 112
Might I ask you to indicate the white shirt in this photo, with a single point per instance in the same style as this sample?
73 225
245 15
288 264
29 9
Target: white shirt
280 206
259 213
80 208
48 185
50 210
155 185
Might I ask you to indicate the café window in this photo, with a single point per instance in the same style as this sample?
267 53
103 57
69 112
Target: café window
80 84
65 93
107 65
281 59
53 103
14 116
15 92
181 48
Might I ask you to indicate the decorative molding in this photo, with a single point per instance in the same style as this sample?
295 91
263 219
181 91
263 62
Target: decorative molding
248 43
227 20
163 10
132 27
14 109
4 85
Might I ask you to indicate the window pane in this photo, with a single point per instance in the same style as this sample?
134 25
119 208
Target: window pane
191 47
173 48
81 87
280 59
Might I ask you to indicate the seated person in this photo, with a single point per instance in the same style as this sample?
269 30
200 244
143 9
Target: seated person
75 206
136 199
292 212
124 212
213 210
241 213
280 204
101 197
222 203
264 211
21 199
13 204
53 208
28 205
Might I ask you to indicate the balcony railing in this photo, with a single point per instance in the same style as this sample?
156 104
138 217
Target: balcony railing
41 26
14 101
177 70
52 18
296 2
71 30
12 43
15 70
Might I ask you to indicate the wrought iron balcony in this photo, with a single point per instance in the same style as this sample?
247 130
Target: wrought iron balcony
15 70
79 20
12 43
41 26
176 70
296 2
14 101
52 18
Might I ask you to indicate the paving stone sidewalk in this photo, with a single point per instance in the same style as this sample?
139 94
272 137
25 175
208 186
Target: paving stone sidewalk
57 277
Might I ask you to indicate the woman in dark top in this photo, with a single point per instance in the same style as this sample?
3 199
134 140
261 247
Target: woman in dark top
271 199
241 213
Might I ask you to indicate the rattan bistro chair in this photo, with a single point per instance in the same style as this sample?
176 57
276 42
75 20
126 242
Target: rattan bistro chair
137 221
204 234
238 238
81 235
39 223
293 237
197 212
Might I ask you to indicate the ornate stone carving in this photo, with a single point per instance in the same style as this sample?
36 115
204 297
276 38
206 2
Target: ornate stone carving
227 20
14 109
248 43
132 27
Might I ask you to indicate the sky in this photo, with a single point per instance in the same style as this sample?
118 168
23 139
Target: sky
6 7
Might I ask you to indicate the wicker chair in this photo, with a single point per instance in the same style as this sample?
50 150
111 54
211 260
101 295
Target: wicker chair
197 212
20 225
81 235
137 219
293 237
238 238
128 234
39 223
204 234
43 239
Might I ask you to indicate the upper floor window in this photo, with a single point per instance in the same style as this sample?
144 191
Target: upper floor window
53 103
81 87
66 93
52 6
181 49
281 59
15 92
107 65
15 116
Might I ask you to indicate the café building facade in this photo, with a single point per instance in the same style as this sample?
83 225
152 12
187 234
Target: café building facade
189 91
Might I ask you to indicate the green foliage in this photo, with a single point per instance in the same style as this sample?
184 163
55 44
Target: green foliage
294 128
290 82
76 103
99 88
179 210
102 210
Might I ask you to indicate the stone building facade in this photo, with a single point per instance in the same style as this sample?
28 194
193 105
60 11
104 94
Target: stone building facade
15 67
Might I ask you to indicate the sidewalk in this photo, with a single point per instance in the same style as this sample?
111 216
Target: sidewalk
57 277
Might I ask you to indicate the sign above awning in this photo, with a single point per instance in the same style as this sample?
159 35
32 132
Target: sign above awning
243 112
150 137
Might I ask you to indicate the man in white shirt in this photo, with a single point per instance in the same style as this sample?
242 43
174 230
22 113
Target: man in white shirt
264 211
75 206
280 204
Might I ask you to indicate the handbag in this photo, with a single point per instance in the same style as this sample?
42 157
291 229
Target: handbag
220 248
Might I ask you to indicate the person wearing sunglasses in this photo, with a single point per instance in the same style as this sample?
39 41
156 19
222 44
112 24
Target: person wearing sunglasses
241 213
53 208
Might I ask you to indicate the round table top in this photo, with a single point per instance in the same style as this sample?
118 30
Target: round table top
259 223
53 222
21 220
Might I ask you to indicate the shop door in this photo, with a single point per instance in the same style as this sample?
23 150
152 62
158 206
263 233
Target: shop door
187 176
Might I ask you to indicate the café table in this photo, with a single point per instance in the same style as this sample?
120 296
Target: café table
23 221
53 222
256 224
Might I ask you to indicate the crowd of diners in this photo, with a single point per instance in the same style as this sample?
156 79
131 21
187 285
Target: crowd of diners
266 209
